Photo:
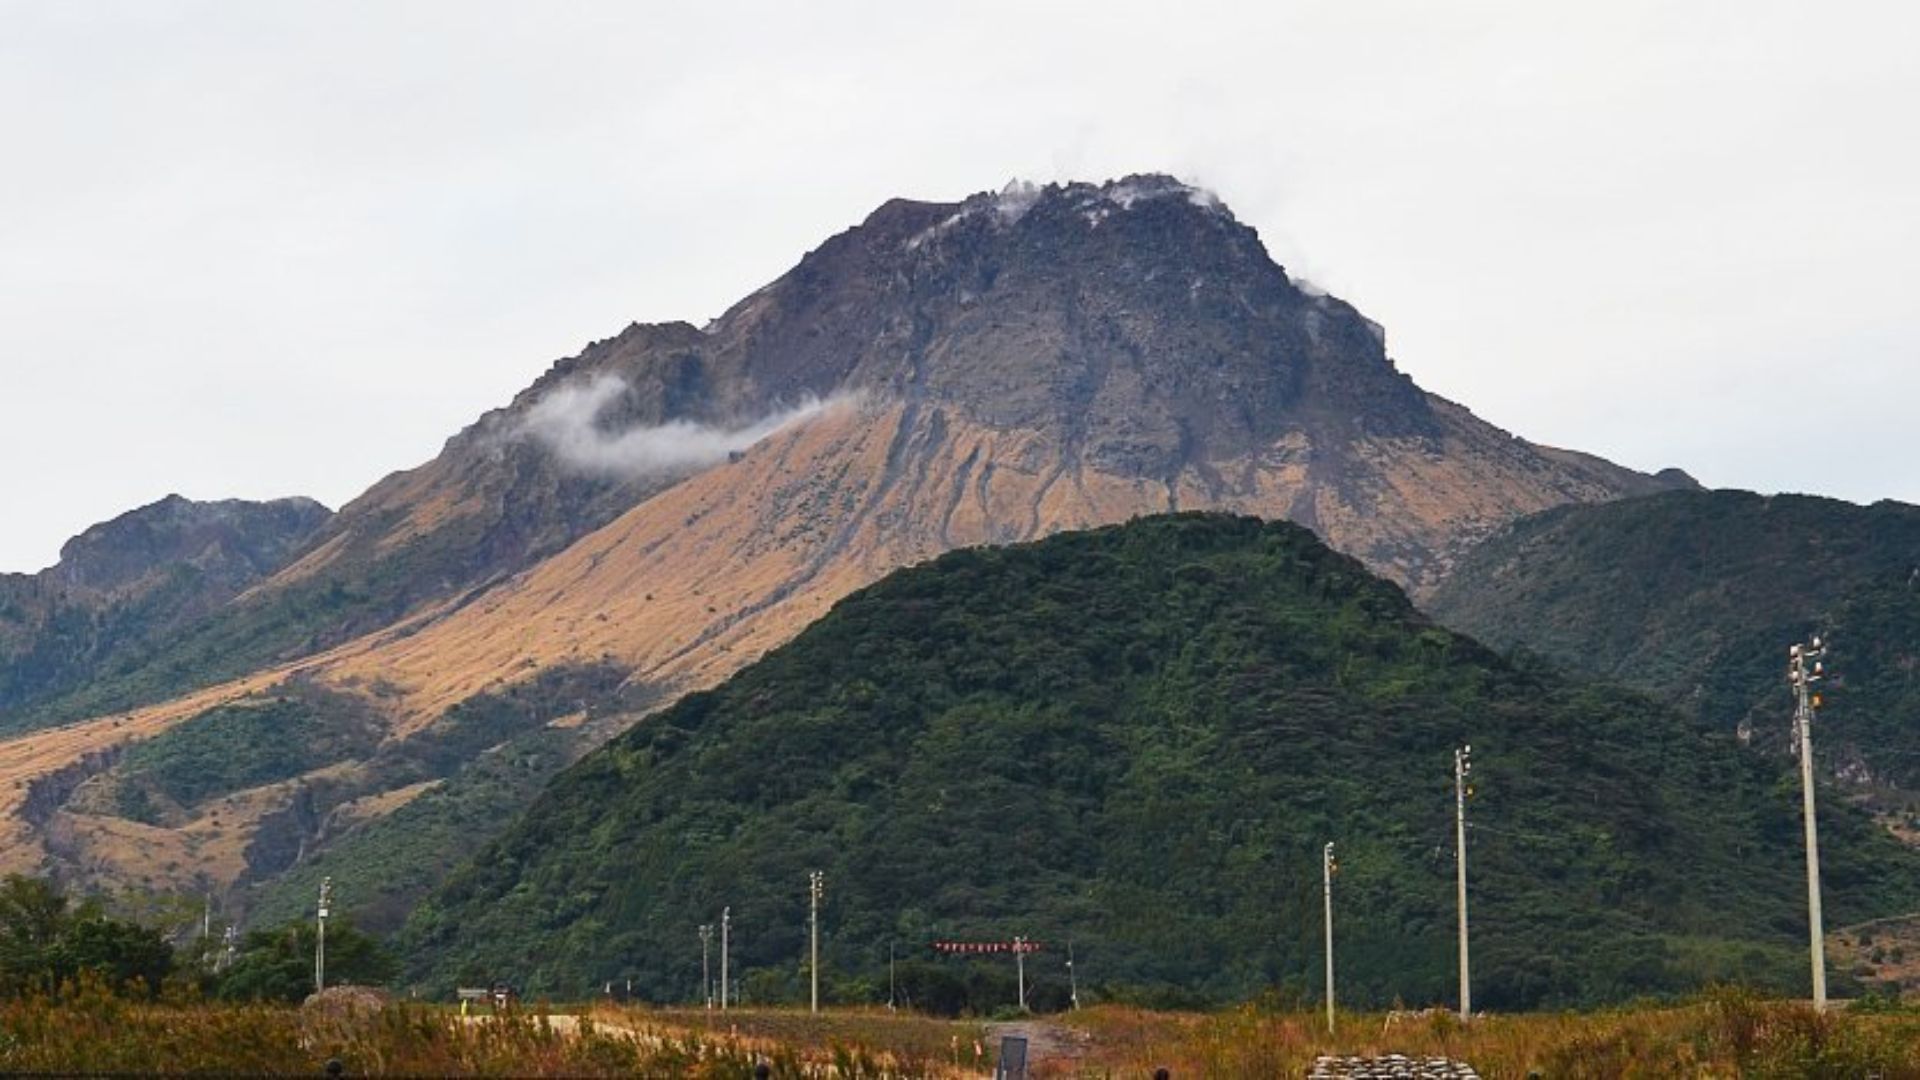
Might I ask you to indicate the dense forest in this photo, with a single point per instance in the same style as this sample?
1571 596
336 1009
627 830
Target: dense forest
1133 742
1696 595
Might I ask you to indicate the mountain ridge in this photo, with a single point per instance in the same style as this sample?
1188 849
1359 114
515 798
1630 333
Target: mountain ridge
674 501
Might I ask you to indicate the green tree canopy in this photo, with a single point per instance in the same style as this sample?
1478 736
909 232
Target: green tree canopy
46 940
277 964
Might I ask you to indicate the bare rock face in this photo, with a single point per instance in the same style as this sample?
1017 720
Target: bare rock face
1389 1067
1133 331
232 542
126 583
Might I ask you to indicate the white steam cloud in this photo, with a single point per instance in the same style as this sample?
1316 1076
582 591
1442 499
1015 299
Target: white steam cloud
564 421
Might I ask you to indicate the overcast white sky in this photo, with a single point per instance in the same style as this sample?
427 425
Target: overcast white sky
257 249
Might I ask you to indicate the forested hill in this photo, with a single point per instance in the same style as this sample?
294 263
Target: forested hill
1137 739
1697 595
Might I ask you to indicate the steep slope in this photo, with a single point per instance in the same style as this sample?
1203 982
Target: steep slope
675 501
1697 595
123 587
1136 739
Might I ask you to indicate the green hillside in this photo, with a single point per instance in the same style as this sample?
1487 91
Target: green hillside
1136 739
1697 595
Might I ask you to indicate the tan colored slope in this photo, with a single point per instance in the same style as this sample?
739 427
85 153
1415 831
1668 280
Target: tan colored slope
696 582
35 768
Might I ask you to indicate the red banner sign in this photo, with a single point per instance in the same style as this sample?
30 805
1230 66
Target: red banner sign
974 947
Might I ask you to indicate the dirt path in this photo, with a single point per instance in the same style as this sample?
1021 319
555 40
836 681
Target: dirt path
1045 1042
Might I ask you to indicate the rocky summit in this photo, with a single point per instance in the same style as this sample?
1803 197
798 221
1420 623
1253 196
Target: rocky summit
652 514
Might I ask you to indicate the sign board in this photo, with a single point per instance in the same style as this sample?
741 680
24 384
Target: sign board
1021 945
474 993
1013 1058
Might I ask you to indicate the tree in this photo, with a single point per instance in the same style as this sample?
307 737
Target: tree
46 940
277 964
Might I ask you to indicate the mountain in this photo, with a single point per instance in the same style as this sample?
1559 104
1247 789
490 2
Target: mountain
123 586
1697 595
654 513
1137 739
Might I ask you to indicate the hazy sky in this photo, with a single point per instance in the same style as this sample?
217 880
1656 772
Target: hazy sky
258 248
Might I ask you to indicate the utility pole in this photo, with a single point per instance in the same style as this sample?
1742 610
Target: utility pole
890 981
320 941
1462 766
1020 966
1073 980
726 921
1326 889
706 972
816 883
1806 666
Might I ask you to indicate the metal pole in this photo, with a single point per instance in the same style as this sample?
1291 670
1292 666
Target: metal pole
1803 680
1073 979
706 971
1326 888
815 882
1461 766
726 920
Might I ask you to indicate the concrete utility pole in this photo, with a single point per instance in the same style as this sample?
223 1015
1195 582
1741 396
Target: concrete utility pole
320 941
726 921
1020 966
1073 980
1326 889
706 971
1462 765
1806 666
816 884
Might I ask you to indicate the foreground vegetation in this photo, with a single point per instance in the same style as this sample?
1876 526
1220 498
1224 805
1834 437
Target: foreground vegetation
1724 1034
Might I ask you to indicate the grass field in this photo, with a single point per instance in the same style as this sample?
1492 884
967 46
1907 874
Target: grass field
1726 1034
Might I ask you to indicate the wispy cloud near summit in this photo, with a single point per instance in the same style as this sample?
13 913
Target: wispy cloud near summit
566 421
